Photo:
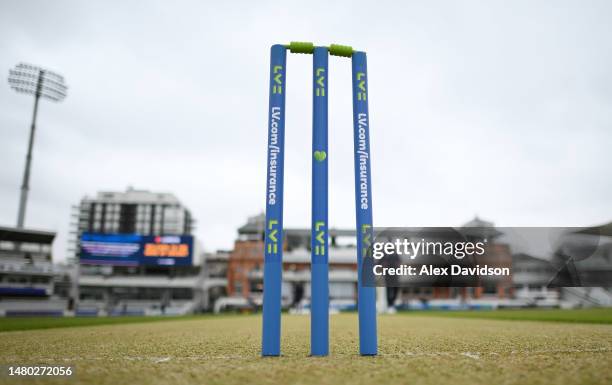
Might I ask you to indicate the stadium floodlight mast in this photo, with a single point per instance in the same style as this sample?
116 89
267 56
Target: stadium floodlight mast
33 80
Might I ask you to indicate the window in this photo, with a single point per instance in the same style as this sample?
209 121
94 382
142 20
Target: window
184 294
490 289
237 287
342 290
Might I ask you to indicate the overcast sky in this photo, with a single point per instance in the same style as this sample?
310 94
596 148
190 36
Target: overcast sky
501 109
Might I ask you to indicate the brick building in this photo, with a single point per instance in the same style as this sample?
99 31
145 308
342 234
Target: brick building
245 268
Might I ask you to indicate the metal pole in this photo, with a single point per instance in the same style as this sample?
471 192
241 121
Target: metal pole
319 315
366 296
25 185
273 245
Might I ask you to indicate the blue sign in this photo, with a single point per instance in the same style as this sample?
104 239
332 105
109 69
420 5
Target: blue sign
134 250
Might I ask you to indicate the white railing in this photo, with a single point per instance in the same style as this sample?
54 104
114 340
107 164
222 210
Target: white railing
138 281
29 268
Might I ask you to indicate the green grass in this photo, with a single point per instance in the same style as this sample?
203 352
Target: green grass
225 350
29 323
603 316
599 315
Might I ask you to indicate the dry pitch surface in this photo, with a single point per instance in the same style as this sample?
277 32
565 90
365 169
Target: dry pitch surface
413 349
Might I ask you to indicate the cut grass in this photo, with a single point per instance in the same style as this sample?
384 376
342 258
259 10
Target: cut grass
30 323
226 350
598 315
603 316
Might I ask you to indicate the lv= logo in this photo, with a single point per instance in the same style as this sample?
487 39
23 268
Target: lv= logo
320 76
361 95
277 88
320 241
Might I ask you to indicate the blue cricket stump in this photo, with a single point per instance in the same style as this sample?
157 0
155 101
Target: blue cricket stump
319 298
366 296
273 246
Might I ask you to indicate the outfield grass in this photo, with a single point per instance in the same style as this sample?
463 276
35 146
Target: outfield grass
603 316
30 323
225 350
599 315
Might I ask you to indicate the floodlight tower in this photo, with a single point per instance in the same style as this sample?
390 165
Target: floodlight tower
32 80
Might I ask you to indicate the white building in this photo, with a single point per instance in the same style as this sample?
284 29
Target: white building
130 212
160 285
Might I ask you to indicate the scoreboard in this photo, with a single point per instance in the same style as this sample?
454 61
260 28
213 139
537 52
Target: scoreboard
134 250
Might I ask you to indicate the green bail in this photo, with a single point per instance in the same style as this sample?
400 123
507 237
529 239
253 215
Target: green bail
301 47
341 50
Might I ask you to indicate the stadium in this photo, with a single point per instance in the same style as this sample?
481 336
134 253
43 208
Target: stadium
137 245
204 310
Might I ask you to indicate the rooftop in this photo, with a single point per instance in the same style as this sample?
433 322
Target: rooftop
132 195
14 234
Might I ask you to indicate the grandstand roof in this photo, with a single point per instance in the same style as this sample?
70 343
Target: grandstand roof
14 234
